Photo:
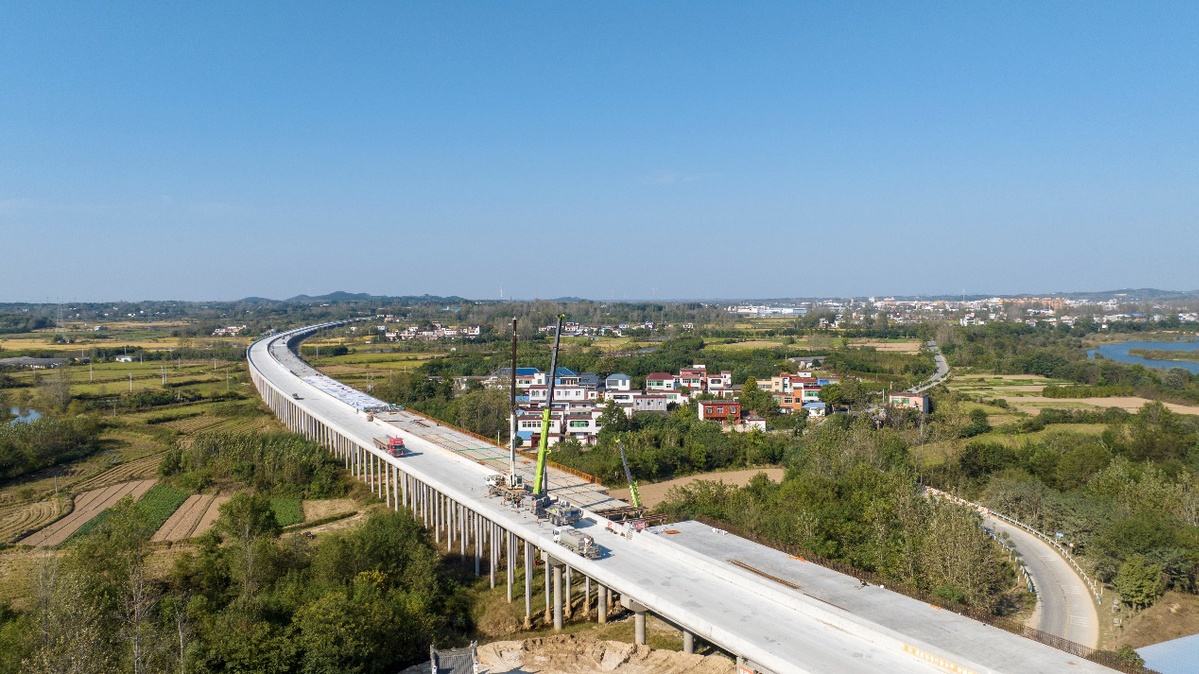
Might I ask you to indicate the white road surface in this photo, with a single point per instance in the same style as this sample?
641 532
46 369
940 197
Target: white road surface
1064 603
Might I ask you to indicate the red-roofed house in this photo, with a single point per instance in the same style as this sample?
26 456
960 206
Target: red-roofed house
661 381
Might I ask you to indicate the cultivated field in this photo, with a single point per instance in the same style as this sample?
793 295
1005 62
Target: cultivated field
1034 403
16 521
87 505
195 517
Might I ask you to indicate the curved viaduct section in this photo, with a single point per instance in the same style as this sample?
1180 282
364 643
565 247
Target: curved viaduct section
774 612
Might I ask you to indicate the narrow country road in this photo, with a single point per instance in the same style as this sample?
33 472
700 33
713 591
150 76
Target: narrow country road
1064 603
942 369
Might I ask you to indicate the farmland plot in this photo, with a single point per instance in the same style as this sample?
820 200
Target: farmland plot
17 520
210 515
180 525
87 505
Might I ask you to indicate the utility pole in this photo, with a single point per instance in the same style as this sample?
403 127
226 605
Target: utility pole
131 382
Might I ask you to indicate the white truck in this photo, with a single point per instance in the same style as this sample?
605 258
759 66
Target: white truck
577 542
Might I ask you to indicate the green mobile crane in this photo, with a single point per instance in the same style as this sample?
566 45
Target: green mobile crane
634 495
540 486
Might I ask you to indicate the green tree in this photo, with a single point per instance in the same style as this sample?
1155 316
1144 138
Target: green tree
249 522
1138 582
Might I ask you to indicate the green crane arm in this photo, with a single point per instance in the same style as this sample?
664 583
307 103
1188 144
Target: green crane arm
539 482
634 494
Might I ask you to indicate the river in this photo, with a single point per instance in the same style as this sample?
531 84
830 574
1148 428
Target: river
1119 353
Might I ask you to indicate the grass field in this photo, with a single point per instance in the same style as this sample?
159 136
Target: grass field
288 511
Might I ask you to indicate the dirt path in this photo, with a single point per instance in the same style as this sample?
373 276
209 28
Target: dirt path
653 494
87 505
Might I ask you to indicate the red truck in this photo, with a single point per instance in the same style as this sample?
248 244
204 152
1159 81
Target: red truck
393 445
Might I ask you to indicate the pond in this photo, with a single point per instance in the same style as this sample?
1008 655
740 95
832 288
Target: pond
24 416
1119 353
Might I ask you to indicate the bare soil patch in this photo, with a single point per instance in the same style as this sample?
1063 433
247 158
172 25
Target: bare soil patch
209 517
338 525
893 347
1174 615
1128 403
653 494
570 654
318 510
183 521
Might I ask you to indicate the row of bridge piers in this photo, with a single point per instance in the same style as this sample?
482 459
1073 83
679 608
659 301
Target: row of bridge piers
460 530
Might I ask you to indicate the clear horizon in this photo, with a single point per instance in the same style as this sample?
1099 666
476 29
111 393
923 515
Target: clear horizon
621 151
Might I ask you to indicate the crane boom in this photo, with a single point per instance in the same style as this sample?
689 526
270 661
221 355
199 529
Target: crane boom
539 482
634 494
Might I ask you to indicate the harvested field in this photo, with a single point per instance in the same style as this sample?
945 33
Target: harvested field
1033 404
87 505
138 469
893 347
653 494
209 517
180 525
319 510
18 520
569 654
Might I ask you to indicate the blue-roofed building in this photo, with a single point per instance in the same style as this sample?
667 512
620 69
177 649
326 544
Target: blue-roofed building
520 371
591 381
816 409
618 382
1177 656
563 376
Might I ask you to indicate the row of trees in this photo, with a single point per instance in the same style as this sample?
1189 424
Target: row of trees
45 442
280 464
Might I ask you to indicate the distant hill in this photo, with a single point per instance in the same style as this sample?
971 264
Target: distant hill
342 296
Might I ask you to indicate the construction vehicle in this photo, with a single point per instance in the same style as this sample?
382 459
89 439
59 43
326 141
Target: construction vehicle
393 445
562 513
577 542
510 487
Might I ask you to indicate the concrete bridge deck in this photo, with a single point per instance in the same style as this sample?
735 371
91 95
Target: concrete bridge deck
686 579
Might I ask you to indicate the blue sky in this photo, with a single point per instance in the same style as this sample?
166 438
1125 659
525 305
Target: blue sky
616 149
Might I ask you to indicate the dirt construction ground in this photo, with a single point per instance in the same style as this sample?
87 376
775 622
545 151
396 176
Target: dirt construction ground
568 654
653 494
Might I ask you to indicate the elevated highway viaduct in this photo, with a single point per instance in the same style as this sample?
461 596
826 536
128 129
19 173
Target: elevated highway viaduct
775 613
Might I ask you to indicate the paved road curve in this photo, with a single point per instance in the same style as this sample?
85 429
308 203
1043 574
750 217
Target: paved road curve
942 369
1064 603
